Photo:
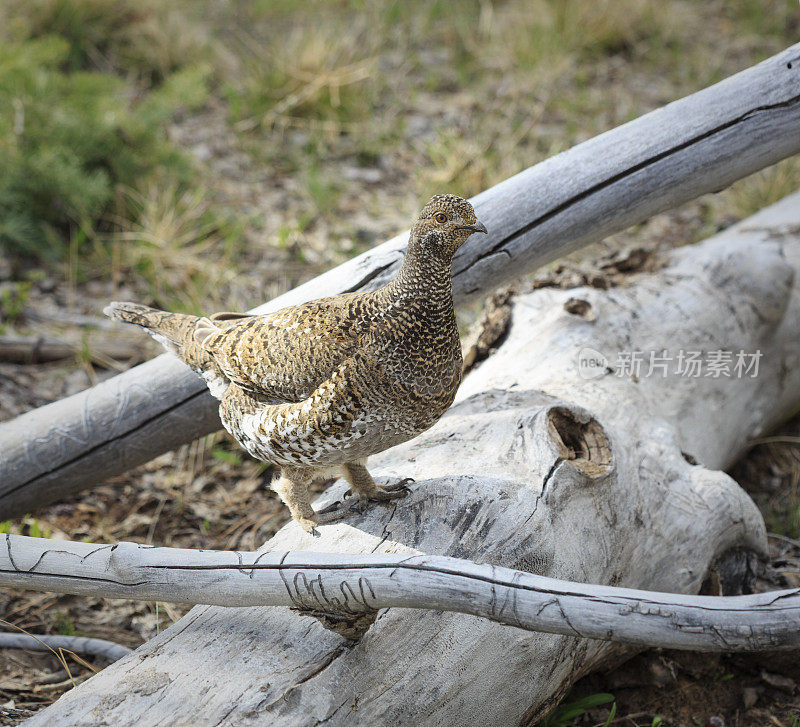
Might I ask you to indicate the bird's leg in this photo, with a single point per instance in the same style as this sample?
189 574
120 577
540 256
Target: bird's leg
362 483
292 488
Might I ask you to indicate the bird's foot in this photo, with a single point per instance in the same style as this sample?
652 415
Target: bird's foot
381 494
390 492
333 507
321 517
339 508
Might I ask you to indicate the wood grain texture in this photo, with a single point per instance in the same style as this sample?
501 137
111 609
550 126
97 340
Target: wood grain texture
699 144
343 586
535 468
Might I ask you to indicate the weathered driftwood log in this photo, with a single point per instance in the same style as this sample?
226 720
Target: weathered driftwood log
347 590
535 468
699 144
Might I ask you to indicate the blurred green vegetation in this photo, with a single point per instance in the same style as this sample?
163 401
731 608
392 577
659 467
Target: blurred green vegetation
456 96
85 95
70 139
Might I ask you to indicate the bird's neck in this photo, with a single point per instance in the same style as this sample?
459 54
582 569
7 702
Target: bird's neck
423 275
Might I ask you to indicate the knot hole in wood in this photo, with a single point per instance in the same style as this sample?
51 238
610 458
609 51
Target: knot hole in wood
581 441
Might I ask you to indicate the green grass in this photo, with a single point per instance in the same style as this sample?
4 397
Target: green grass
324 190
225 455
340 73
144 39
566 713
764 188
174 242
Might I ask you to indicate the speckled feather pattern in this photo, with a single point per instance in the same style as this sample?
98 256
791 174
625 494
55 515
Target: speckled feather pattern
337 379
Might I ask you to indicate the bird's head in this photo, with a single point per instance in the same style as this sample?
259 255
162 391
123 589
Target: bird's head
444 225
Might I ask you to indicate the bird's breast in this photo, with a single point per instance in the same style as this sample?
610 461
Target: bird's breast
422 374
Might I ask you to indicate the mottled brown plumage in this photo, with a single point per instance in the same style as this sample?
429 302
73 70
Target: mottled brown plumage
317 388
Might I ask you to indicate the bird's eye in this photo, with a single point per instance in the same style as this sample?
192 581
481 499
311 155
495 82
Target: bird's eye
440 217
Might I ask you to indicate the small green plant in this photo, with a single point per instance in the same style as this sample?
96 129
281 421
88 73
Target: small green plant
225 455
13 297
565 714
657 722
5 527
34 528
62 624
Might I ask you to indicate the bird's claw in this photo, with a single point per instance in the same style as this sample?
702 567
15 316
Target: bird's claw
335 505
401 486
309 525
321 517
388 493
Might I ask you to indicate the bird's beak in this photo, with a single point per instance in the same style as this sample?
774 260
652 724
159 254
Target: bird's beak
477 227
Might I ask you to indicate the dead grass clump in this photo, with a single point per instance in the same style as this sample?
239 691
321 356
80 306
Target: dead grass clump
173 239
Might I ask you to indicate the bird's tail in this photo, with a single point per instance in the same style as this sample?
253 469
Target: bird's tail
174 331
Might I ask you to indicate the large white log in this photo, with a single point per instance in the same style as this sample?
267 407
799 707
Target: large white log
534 468
699 144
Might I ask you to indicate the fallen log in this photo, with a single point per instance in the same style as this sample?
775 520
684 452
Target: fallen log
699 144
548 463
363 584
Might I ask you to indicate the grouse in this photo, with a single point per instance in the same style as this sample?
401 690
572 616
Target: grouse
319 387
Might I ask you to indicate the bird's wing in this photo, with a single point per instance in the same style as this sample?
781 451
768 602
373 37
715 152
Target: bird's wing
281 356
226 318
343 409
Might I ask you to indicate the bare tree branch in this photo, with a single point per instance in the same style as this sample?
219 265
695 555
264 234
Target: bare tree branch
342 586
54 642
